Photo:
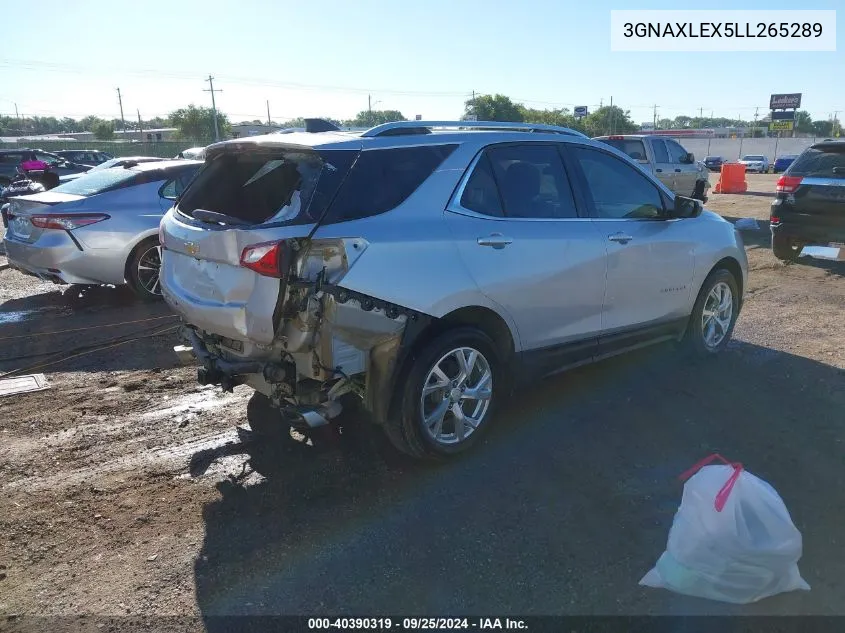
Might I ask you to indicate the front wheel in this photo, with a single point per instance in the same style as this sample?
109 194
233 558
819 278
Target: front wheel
448 397
713 315
142 270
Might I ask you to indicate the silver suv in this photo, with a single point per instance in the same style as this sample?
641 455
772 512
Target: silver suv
428 269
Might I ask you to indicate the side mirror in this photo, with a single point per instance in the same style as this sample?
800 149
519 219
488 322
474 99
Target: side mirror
685 208
689 159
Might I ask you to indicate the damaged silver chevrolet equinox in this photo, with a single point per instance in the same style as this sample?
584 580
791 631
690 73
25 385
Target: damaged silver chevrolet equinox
425 270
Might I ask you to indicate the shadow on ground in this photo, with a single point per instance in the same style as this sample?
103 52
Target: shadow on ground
45 327
561 510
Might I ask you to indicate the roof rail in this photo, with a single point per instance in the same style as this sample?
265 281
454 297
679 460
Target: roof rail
396 128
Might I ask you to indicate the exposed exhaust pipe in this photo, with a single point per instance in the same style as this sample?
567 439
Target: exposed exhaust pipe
320 415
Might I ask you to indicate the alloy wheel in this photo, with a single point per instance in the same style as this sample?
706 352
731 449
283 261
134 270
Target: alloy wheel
149 266
456 395
716 315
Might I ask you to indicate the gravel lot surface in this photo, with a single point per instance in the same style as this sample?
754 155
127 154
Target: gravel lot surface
128 489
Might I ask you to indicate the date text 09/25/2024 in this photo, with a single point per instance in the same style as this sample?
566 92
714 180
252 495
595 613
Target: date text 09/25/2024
416 624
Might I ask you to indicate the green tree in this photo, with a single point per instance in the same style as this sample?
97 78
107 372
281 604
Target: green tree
87 124
560 117
370 118
104 131
494 108
803 121
610 120
197 124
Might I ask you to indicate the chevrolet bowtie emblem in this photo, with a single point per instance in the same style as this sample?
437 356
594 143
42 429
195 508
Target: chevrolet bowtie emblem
192 248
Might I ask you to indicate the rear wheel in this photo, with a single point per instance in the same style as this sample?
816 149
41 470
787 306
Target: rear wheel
785 249
448 396
714 314
142 270
265 419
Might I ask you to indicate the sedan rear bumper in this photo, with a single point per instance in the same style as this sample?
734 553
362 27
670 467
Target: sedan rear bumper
55 257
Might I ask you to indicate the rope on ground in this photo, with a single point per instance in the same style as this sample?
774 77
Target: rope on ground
90 351
90 327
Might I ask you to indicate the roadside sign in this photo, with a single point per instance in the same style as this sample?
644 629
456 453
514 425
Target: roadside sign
471 117
783 115
778 126
418 117
791 101
581 111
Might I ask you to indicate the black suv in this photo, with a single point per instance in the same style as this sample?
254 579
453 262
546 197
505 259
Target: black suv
810 203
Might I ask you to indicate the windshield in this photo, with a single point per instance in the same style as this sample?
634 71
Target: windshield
713 158
754 157
94 182
826 162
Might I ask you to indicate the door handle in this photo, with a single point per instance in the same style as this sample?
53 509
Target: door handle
658 170
620 237
496 240
677 171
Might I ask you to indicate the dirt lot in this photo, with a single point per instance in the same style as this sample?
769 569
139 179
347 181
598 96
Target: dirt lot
128 489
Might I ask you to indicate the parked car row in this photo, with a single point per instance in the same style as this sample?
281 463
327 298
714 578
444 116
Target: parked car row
753 163
421 270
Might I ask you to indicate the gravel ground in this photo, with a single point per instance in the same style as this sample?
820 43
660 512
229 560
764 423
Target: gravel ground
128 489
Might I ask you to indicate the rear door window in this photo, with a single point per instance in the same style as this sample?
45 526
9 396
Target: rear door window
820 162
480 193
660 153
532 181
633 147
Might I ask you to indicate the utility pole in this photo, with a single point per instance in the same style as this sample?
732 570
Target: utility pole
140 127
754 129
268 113
474 111
654 123
122 120
833 130
211 89
370 105
611 115
17 114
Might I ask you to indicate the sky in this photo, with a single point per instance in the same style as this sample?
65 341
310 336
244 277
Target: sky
325 58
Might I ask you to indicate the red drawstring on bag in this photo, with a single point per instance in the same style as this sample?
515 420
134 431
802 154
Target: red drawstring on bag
724 493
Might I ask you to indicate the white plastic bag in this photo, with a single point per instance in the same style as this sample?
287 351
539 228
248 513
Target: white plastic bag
731 540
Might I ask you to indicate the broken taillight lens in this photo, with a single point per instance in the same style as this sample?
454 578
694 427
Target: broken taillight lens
788 184
266 259
66 222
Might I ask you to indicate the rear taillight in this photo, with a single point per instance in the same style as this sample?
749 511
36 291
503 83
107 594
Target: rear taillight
67 222
788 184
774 219
266 259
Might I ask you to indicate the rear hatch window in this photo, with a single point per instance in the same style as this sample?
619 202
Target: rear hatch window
820 162
296 186
632 147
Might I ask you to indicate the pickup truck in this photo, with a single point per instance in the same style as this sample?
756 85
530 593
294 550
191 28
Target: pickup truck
674 166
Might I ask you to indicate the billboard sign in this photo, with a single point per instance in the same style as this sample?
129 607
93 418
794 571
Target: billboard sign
418 117
780 126
789 101
581 111
783 115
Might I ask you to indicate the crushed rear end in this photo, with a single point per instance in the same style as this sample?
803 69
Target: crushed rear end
261 299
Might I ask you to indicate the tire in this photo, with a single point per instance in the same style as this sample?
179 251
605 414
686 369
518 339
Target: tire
140 276
265 420
708 340
785 249
443 437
